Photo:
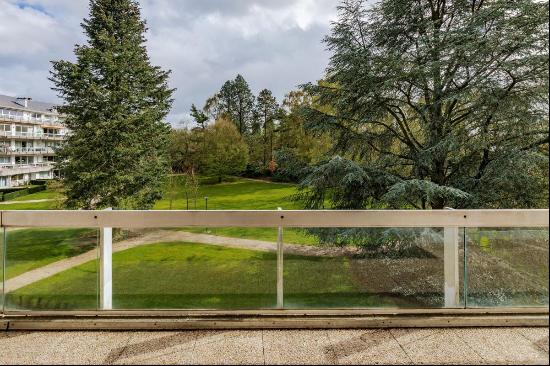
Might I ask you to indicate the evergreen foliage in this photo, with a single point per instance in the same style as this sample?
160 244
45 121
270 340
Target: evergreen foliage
267 110
434 103
236 102
115 103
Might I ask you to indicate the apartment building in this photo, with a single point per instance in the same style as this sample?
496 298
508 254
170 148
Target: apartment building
30 132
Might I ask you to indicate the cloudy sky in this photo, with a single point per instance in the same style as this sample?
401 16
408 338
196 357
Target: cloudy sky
274 44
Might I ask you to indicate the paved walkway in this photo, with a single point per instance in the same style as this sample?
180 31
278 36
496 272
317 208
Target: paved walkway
383 346
160 236
29 201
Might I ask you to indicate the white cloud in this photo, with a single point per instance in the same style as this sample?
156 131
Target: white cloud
273 44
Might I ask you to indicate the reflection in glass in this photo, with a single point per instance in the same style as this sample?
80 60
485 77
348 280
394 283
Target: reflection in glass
368 268
507 267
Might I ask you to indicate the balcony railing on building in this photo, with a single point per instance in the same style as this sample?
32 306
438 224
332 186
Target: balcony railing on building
25 168
53 121
32 135
27 150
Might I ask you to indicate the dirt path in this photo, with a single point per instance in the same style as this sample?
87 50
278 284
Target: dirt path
161 236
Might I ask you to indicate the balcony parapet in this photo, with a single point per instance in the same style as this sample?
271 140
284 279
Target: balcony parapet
27 151
32 135
14 169
34 121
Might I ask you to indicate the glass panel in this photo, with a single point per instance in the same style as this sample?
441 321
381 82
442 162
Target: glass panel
507 267
367 268
51 269
193 269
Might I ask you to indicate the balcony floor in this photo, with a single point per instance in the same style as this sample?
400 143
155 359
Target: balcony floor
381 346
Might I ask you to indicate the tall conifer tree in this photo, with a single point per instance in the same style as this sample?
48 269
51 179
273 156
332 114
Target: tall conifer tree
115 103
237 103
266 110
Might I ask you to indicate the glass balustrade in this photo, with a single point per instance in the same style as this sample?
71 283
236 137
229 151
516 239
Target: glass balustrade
507 267
176 269
50 269
371 268
239 268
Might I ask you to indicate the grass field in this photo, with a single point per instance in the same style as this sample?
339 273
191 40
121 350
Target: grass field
195 276
27 249
184 275
44 195
243 194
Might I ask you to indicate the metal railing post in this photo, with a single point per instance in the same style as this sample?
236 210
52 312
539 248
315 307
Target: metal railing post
106 268
450 258
280 272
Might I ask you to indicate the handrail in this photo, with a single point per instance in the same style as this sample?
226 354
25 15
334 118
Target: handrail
27 150
298 219
23 166
449 220
32 134
23 119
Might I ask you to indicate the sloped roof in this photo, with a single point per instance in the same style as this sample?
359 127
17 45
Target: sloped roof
32 106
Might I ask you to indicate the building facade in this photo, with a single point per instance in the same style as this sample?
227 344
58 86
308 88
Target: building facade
30 133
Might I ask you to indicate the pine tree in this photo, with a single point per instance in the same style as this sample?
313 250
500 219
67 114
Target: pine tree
236 102
199 116
266 111
115 103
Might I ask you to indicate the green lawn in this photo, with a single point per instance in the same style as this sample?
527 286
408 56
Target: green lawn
48 205
239 195
243 194
196 276
27 249
54 195
44 195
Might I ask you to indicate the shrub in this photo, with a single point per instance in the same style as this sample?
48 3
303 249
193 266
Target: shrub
290 168
22 192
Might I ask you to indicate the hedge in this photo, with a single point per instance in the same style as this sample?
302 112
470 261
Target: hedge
6 196
40 182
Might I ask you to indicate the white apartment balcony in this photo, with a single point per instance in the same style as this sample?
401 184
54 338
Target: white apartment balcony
32 135
14 169
27 150
50 121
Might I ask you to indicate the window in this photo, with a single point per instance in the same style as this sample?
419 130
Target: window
21 130
23 144
23 160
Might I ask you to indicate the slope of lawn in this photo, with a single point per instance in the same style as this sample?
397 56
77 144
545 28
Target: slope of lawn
27 249
196 276
243 194
54 197
48 194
